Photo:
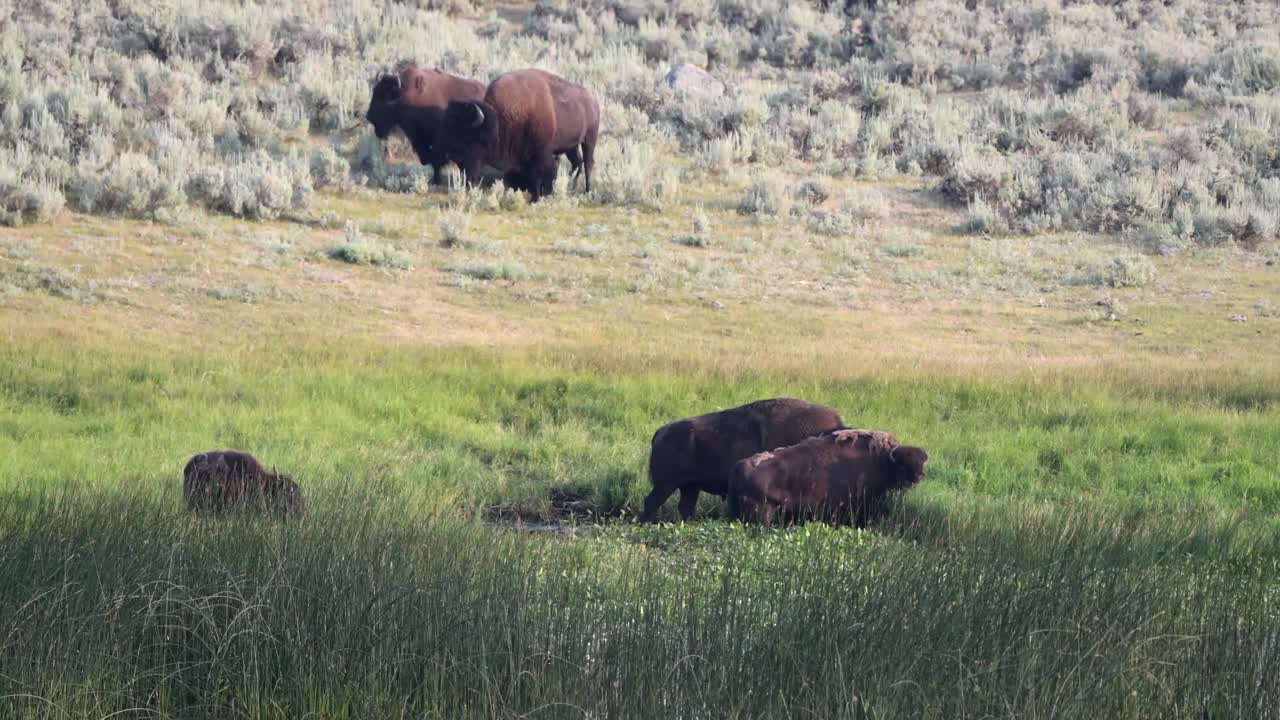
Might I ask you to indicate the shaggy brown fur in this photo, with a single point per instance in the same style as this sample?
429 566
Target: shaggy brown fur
835 476
415 101
225 480
696 454
526 119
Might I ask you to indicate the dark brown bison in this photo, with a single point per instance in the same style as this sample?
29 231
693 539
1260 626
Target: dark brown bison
225 480
837 476
415 101
696 454
526 119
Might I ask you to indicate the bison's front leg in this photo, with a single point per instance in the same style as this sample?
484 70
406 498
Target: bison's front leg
744 510
688 501
542 176
768 514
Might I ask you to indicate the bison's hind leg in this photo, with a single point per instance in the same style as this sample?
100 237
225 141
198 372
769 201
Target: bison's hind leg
653 502
575 166
688 501
588 162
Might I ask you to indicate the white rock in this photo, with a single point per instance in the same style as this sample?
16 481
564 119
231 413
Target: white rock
691 78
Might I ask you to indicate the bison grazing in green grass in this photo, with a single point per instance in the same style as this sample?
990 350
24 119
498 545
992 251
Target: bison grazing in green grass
696 454
838 476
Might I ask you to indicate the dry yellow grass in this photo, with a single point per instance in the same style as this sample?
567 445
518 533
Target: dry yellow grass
902 291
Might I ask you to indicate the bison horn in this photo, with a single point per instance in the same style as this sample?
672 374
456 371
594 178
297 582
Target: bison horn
479 117
895 447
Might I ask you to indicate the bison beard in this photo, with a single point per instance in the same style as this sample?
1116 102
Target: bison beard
528 118
696 454
226 480
838 476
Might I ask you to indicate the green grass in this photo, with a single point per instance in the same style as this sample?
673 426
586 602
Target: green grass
1082 547
466 429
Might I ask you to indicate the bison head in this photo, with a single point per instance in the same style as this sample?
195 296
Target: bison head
906 466
468 132
383 105
284 495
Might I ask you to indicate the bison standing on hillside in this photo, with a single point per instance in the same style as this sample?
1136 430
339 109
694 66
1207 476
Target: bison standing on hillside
526 119
696 454
415 101
224 480
837 476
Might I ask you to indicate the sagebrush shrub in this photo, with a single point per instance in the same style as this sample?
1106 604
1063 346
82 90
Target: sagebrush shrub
257 186
636 174
1059 100
455 228
359 250
767 197
329 169
130 184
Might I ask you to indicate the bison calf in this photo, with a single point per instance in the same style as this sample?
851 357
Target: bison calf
837 476
696 454
225 480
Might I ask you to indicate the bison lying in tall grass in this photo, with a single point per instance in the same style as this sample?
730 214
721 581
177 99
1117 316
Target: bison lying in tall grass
839 476
222 481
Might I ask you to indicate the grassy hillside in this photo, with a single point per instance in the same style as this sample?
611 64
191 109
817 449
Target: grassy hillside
1038 239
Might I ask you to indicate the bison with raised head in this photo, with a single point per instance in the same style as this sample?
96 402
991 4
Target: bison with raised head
414 101
525 121
222 481
839 476
696 454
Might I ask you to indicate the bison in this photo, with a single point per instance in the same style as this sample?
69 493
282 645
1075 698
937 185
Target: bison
526 119
696 454
836 476
415 101
224 480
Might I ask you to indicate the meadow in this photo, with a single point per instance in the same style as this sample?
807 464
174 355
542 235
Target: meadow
1038 239
1075 550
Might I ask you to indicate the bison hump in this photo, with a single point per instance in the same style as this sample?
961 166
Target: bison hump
873 440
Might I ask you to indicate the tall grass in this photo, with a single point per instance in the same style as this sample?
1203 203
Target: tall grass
1076 551
118 604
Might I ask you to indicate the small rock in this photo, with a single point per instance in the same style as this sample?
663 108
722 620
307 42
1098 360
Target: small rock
691 78
1237 317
